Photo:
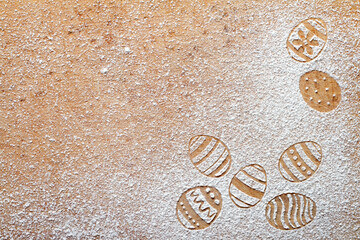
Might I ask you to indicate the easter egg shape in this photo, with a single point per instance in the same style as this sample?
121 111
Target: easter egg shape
209 155
320 91
248 186
307 40
300 161
290 211
198 207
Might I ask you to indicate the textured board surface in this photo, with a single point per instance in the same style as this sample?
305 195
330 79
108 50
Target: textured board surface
99 101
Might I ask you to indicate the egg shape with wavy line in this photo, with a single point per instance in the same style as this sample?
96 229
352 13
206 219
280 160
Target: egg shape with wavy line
290 211
198 207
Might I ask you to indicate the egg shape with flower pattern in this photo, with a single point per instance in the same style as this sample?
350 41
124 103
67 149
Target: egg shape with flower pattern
307 40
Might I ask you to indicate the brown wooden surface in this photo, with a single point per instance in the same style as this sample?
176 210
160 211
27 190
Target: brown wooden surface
99 100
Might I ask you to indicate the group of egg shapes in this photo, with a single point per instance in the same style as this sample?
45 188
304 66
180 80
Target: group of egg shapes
198 207
305 42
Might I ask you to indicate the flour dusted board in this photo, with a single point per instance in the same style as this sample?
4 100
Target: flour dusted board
99 101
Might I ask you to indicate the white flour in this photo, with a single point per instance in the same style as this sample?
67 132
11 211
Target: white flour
91 152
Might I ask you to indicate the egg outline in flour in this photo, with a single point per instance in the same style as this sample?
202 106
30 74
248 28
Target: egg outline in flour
306 25
207 147
295 219
245 188
189 217
296 156
320 91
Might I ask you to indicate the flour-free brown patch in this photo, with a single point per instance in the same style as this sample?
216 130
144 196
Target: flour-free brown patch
320 91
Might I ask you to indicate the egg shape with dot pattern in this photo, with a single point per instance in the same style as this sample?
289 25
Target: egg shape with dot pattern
320 91
198 207
300 161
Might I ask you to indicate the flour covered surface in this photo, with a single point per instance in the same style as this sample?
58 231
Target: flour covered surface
113 113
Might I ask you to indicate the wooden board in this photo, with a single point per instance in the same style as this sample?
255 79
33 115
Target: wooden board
100 99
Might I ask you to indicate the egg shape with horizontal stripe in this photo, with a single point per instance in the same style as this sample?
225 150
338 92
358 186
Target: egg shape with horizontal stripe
290 211
209 155
307 40
300 161
248 186
198 207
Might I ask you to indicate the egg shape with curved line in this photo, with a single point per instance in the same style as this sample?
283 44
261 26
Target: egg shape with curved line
290 211
209 155
248 186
